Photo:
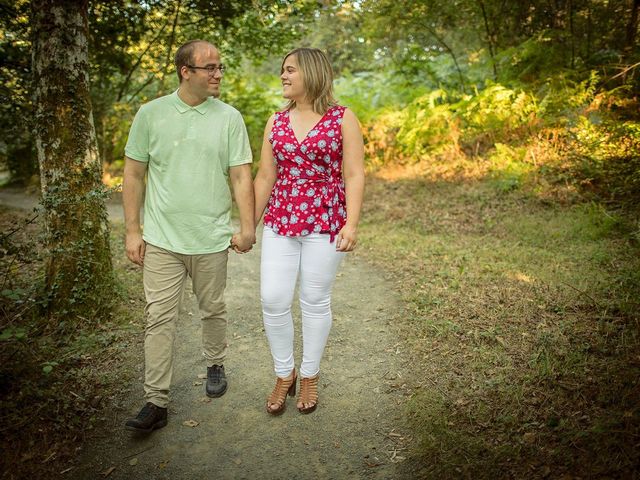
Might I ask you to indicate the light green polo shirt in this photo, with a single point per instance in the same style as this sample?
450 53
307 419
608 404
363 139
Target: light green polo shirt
189 150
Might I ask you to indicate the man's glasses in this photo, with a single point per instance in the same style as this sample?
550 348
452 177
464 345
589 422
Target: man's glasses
211 69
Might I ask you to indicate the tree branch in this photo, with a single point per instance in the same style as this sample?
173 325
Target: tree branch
125 84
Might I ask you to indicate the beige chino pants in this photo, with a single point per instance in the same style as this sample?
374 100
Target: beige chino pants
165 274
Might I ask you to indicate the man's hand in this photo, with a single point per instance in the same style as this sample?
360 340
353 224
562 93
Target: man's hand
242 242
135 247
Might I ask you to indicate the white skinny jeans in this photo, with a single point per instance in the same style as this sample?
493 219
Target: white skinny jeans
317 261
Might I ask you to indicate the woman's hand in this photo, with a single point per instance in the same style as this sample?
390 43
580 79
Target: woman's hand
346 239
242 243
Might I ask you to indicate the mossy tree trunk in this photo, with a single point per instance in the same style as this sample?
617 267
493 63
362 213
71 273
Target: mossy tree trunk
79 274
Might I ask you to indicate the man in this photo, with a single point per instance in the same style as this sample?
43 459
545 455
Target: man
188 143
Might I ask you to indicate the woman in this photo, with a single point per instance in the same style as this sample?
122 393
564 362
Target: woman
311 182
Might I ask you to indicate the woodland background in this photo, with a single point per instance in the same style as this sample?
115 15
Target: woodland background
503 160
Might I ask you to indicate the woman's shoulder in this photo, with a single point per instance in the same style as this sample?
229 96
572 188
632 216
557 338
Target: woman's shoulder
279 114
345 112
277 117
336 110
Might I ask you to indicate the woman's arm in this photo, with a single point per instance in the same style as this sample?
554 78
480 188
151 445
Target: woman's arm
267 173
353 174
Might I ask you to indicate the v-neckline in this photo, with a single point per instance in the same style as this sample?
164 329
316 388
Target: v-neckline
300 142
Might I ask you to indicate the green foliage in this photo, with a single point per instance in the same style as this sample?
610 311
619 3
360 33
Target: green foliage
533 59
440 121
495 113
605 156
17 152
256 100
369 94
428 125
561 97
59 370
79 282
508 168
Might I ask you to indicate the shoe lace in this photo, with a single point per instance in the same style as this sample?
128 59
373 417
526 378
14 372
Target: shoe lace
146 410
215 373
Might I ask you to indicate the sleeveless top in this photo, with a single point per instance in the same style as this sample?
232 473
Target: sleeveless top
308 195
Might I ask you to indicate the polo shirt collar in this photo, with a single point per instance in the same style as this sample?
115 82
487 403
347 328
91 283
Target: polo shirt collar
183 107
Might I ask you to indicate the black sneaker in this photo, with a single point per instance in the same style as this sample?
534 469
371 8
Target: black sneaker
149 419
216 381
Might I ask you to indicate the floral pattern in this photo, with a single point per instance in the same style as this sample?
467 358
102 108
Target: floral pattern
308 196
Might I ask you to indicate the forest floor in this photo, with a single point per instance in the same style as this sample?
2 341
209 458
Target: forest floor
357 431
478 333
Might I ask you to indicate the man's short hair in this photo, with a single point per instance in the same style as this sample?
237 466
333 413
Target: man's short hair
184 55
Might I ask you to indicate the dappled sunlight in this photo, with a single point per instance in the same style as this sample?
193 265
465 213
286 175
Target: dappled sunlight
433 169
521 277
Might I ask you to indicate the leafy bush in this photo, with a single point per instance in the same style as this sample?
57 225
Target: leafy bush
561 133
428 125
508 167
605 157
496 114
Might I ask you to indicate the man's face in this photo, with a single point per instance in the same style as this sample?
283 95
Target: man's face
199 82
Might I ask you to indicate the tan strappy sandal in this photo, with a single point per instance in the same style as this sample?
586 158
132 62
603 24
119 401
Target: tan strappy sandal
308 394
284 387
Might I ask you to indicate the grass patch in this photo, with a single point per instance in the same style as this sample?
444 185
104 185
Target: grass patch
522 323
55 380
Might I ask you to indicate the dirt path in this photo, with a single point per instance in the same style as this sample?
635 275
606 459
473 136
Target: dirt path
356 432
347 436
17 198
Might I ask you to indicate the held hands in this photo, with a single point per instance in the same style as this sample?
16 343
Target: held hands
346 239
242 242
135 246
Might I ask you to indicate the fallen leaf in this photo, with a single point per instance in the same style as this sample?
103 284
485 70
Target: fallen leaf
202 375
205 400
529 437
190 423
133 462
237 461
195 384
108 471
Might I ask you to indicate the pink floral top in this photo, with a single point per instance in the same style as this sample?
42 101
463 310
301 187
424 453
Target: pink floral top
308 196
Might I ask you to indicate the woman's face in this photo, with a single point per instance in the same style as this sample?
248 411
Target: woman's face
292 81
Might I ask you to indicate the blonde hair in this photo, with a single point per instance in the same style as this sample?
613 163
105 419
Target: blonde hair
317 76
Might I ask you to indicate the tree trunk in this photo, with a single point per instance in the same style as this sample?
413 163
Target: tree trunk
79 274
632 27
490 40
